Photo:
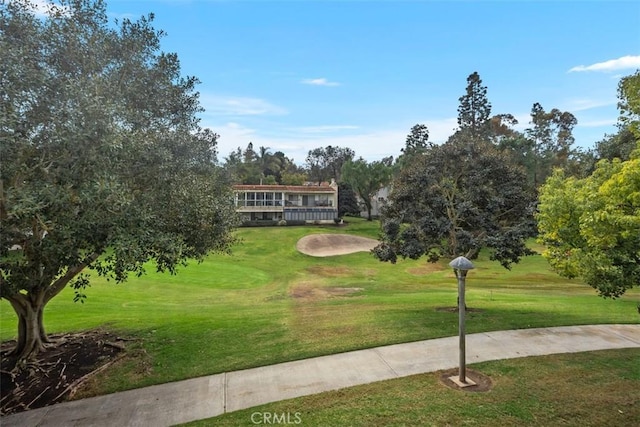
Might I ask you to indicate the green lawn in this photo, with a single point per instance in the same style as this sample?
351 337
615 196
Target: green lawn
597 388
266 303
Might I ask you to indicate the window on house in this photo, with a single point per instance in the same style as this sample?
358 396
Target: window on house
251 199
322 200
293 200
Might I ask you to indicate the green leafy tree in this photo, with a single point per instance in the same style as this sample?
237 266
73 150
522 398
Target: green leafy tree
293 178
268 164
458 198
616 146
366 179
103 163
283 165
233 166
551 136
629 103
250 171
501 128
326 163
591 226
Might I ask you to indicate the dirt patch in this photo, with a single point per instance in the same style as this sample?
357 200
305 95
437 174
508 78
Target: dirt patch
311 292
483 382
324 271
426 269
322 245
58 372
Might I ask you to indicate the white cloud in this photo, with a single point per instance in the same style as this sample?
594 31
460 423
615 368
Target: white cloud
523 121
122 16
597 123
582 104
622 63
320 82
239 106
371 144
232 136
322 129
296 142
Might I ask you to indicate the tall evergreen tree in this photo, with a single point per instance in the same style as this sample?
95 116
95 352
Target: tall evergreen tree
474 110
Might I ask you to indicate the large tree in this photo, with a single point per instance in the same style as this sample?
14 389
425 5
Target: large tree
417 140
456 199
551 140
366 179
591 226
326 163
474 111
616 146
416 144
103 163
347 200
629 103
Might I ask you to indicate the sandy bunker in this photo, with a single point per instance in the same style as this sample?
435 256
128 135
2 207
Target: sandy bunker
322 245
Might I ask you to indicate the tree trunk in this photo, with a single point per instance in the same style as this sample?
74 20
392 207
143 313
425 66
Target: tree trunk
368 206
473 253
31 333
29 308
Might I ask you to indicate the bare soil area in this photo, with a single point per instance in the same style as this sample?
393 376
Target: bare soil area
58 372
313 293
483 382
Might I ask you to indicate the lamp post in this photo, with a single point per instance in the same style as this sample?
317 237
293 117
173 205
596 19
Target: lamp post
461 266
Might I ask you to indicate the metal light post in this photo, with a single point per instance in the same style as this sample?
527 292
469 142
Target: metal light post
460 266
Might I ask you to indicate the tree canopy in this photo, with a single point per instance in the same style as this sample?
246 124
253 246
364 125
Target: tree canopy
104 165
629 103
326 163
591 226
456 199
367 178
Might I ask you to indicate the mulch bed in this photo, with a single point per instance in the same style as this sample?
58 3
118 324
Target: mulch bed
58 372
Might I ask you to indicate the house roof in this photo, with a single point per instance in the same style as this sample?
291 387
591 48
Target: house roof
286 188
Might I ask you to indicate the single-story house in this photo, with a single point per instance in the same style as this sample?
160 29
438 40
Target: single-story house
311 203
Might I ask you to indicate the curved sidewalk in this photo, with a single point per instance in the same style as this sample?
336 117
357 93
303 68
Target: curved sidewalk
205 397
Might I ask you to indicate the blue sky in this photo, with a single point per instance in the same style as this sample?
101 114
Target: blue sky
297 75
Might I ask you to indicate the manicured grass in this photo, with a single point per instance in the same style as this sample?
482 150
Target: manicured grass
597 388
267 303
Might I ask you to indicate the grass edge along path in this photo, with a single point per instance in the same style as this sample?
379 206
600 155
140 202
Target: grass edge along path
594 388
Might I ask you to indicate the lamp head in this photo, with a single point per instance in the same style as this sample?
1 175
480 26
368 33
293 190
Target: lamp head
461 265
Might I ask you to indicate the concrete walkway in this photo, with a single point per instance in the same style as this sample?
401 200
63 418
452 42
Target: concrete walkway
198 398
